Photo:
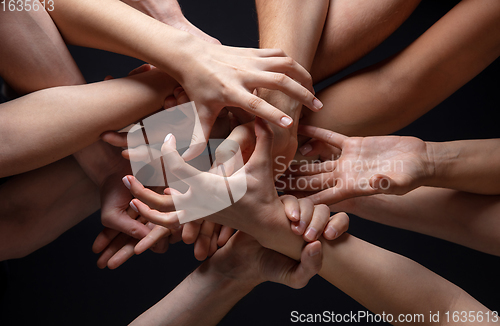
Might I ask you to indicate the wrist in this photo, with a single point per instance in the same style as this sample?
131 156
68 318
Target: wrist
439 161
224 278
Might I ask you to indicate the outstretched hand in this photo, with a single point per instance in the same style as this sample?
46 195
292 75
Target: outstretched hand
357 166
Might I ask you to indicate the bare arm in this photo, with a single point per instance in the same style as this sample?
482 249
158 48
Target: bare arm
388 96
63 120
38 206
296 27
380 280
460 217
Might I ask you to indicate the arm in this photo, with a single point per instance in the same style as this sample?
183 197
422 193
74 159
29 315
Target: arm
38 206
208 293
380 280
77 113
296 27
169 12
460 217
362 166
388 96
213 76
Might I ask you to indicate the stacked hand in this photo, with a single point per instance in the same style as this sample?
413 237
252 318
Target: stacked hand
357 166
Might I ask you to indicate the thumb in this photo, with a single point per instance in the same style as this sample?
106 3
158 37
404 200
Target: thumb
262 155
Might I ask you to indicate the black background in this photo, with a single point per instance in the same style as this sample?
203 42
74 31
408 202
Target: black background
61 285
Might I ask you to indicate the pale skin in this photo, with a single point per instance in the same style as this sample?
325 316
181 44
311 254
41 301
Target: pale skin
36 49
371 275
208 293
330 36
363 166
214 76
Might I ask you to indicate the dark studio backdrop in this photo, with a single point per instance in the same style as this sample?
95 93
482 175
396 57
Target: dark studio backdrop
61 285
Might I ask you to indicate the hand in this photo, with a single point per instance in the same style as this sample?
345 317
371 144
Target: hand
118 248
169 12
228 76
205 194
312 221
245 260
358 166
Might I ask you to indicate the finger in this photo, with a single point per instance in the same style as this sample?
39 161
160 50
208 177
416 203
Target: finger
328 196
213 244
339 223
103 239
202 244
287 85
126 224
312 168
311 260
319 220
145 67
259 107
176 235
329 137
190 231
162 203
176 164
108 77
118 139
202 129
117 243
125 253
309 182
156 234
318 147
306 214
140 153
225 233
168 220
290 67
292 207
262 156
161 246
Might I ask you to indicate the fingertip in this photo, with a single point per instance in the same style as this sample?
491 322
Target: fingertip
330 233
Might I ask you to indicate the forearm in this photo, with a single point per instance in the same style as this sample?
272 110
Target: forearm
380 280
466 165
295 27
385 282
116 27
33 53
460 217
386 97
63 120
59 196
203 298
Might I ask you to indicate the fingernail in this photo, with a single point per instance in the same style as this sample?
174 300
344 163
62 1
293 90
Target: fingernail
302 227
304 150
317 104
331 233
311 234
295 215
126 182
286 121
314 252
133 207
168 137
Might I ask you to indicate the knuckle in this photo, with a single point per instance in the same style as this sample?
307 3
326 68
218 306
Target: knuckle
254 103
280 79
